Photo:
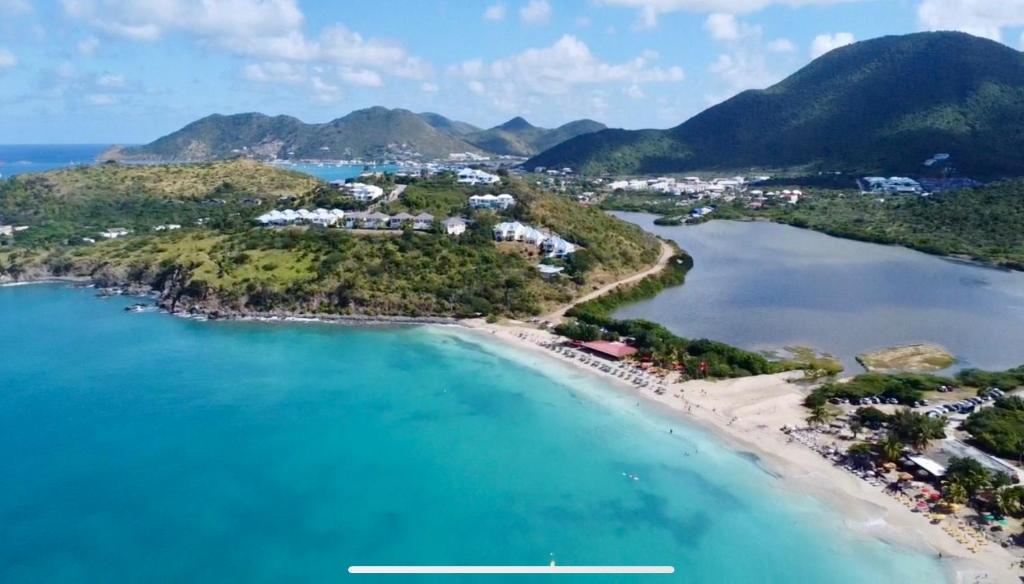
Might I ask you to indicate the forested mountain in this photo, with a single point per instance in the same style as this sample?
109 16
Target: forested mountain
518 137
884 105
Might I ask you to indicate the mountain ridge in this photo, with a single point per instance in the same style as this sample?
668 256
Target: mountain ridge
883 105
374 132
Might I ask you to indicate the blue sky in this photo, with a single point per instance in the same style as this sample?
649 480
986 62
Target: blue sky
131 70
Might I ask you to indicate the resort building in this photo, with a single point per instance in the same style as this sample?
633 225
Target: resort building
613 350
114 233
550 244
168 227
423 221
6 230
400 220
502 201
470 176
364 192
899 185
454 226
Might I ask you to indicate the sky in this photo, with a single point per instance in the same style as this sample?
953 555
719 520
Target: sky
129 71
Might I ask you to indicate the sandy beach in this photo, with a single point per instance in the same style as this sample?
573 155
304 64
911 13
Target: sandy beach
749 413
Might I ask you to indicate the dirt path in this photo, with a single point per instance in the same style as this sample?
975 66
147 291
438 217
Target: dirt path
666 254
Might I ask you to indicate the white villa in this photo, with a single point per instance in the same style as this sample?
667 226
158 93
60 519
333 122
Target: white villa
114 233
167 227
364 192
6 230
553 245
470 176
894 184
454 226
502 201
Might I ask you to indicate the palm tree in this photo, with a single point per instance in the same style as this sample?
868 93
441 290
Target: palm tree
1007 501
892 448
954 492
821 415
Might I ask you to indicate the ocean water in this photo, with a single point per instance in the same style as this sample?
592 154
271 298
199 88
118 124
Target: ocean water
145 448
328 171
21 158
766 286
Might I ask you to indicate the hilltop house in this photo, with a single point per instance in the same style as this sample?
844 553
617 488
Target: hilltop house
114 233
364 192
557 247
423 221
553 245
454 226
398 221
896 185
502 201
470 176
375 220
6 230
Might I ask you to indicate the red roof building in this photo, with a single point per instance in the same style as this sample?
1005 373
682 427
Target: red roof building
610 349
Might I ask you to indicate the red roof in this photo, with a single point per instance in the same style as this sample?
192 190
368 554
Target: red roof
612 349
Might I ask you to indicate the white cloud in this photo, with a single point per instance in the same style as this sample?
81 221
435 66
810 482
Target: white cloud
722 27
270 31
985 18
88 46
782 46
7 59
495 12
565 74
428 87
568 62
650 10
824 43
535 12
361 77
110 81
741 70
583 21
634 91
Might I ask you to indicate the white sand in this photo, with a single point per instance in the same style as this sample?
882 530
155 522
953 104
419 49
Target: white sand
749 414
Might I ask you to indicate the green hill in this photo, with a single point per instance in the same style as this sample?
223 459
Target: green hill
518 137
881 106
375 132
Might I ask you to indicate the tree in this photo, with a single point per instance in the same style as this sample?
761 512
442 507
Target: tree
969 473
892 448
917 429
821 415
1008 501
954 492
860 454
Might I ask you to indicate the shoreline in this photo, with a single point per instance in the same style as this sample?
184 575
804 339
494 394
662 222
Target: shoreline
747 414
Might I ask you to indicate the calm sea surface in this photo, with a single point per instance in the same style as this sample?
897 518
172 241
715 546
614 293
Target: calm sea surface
22 158
145 448
767 286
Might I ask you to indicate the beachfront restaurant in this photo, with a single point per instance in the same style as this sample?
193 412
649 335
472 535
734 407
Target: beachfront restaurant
614 350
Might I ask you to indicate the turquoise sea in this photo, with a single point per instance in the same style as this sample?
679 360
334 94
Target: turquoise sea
146 448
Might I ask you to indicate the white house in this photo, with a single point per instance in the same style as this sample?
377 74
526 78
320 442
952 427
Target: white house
6 230
399 220
364 192
375 221
167 227
557 247
470 176
454 226
423 221
114 233
502 201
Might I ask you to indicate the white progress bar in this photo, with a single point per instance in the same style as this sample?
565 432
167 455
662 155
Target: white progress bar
511 570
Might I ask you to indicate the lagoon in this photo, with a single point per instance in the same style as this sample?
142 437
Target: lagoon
766 286
141 447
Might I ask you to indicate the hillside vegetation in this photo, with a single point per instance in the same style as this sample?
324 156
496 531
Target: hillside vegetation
882 105
984 224
220 262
